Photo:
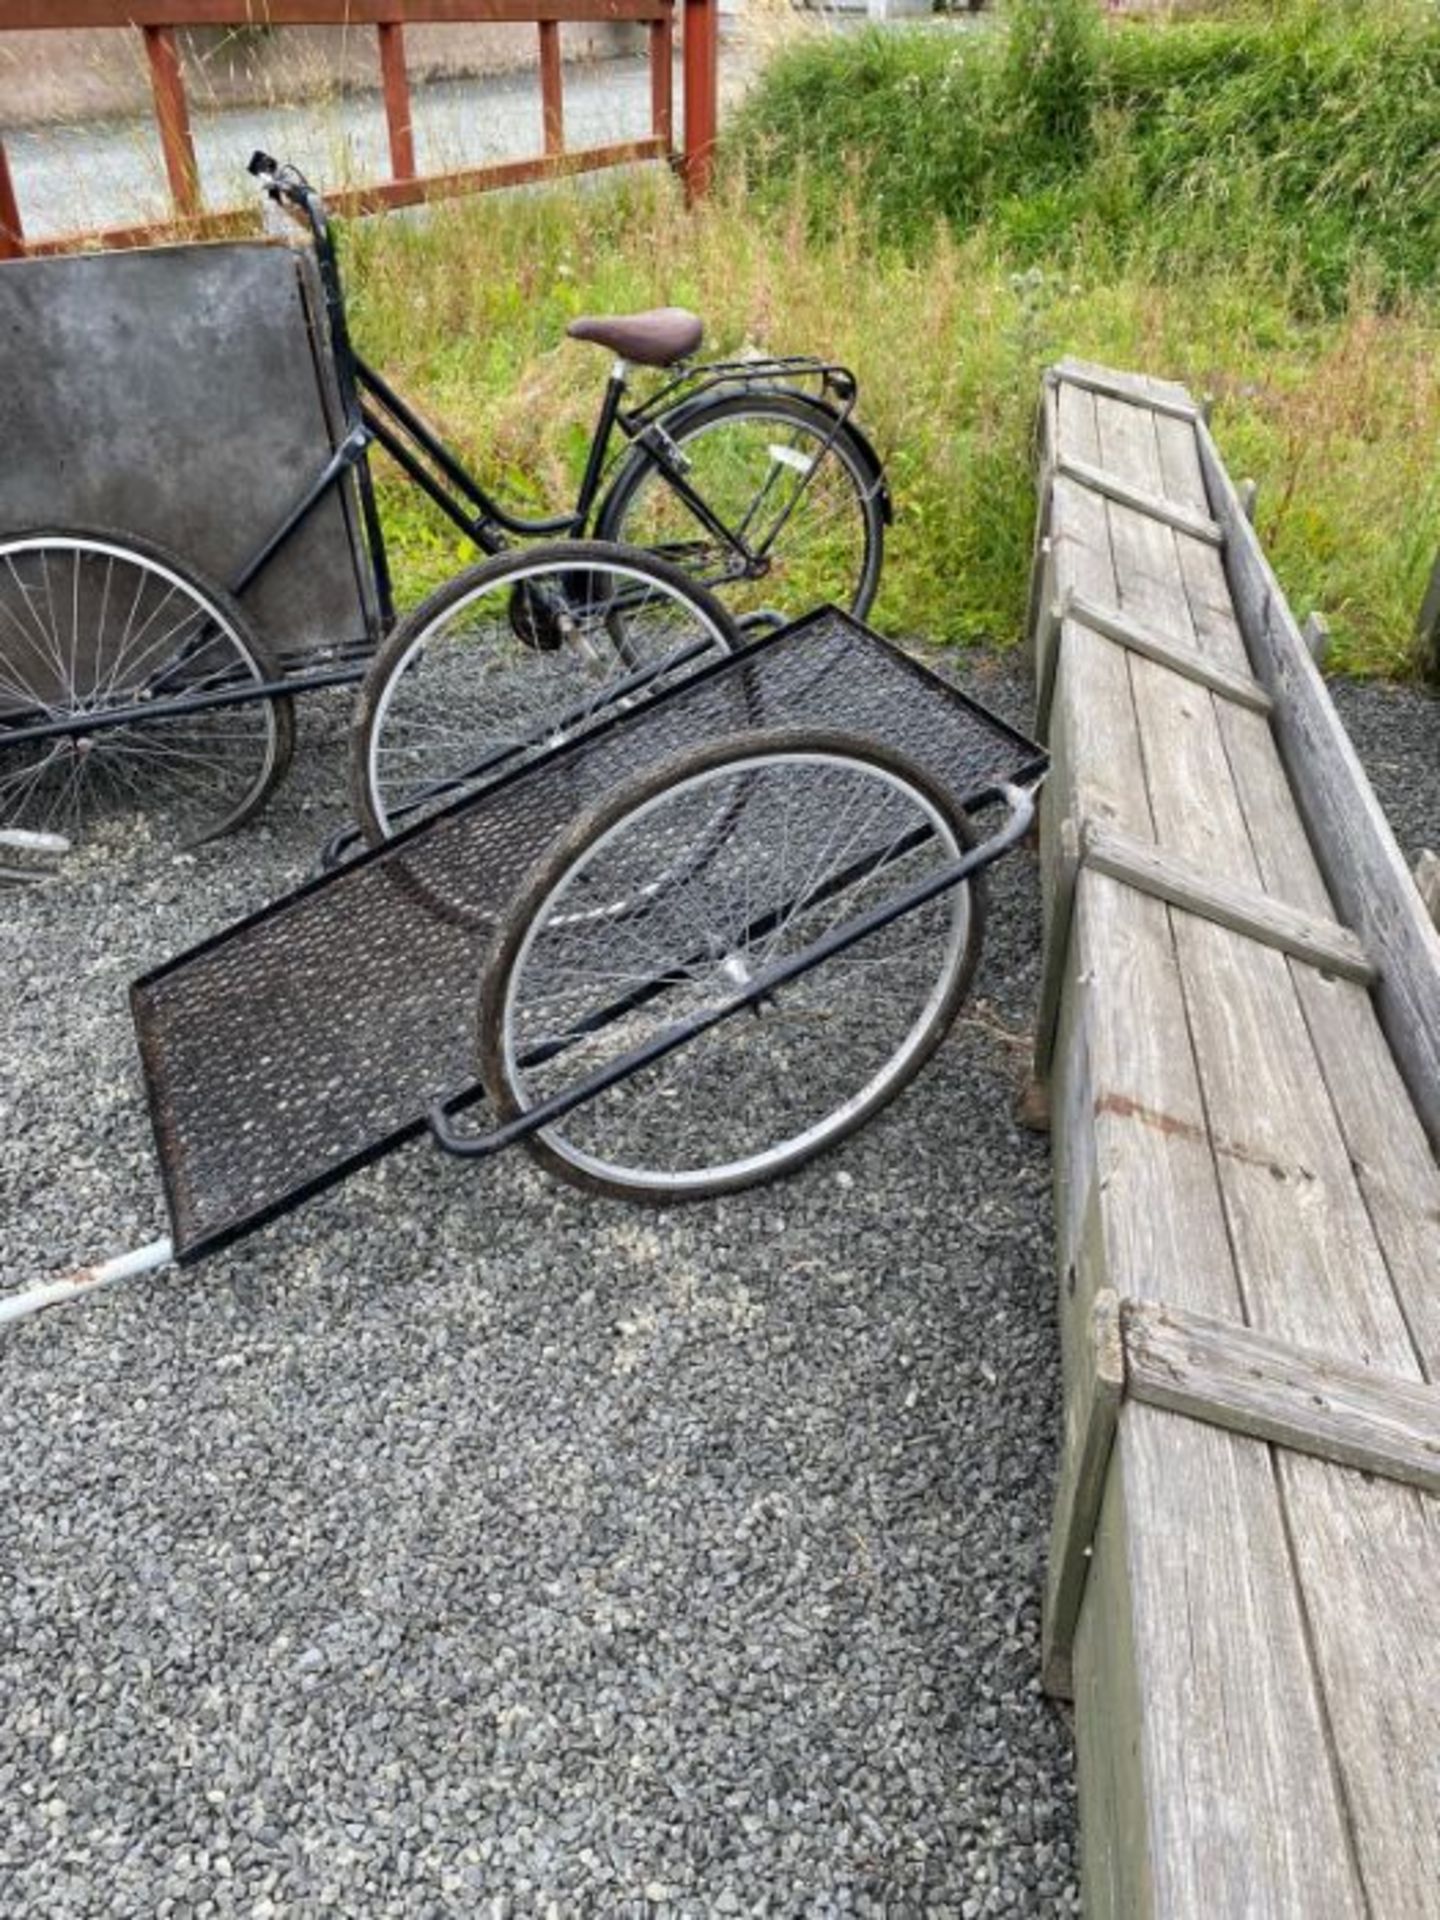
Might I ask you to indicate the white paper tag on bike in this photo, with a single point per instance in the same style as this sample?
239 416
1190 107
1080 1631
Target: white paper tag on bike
788 457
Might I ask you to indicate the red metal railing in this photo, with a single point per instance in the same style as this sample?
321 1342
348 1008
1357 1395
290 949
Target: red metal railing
158 20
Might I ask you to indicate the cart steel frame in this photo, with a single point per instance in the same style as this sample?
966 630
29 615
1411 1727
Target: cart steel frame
287 1051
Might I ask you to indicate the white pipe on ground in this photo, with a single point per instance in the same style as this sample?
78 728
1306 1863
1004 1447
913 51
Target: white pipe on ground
19 1306
22 840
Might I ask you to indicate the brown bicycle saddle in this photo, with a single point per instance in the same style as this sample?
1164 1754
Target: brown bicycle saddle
657 338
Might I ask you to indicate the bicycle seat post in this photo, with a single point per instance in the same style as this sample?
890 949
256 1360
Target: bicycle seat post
610 402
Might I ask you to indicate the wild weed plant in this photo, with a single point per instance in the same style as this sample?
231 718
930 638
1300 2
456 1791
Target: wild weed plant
1336 414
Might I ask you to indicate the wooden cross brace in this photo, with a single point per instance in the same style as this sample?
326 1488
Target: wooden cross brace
1234 1377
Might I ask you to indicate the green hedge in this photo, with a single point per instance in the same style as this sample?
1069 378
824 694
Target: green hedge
1304 143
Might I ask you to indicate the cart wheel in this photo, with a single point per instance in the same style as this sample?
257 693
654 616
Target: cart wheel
96 624
601 953
515 656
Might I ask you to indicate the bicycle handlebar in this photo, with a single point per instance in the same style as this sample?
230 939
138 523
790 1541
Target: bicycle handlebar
288 188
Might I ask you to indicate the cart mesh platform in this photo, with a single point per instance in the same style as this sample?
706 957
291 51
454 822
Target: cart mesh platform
305 1041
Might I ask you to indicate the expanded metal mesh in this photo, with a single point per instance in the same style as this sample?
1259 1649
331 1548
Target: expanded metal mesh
307 1040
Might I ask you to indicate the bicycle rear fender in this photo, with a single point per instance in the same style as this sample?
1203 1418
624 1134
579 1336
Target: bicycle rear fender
827 417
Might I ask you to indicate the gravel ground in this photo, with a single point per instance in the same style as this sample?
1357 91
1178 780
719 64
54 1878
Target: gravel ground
1396 731
462 1545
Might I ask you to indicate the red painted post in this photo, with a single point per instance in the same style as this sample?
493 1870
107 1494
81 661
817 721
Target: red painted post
172 116
701 95
552 99
12 236
395 82
662 85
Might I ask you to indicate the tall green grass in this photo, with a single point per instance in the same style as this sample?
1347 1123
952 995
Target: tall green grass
1336 414
1301 143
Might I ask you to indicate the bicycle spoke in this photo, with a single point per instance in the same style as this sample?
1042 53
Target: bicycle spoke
536 651
812 841
799 516
92 627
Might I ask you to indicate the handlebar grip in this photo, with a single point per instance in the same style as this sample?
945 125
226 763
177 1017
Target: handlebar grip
261 163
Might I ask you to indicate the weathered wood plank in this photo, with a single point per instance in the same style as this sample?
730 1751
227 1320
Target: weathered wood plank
1131 1130
1090 1420
1273 1138
1042 624
1193 1697
1114 486
1362 864
1387 1146
1210 1729
1364 1555
1110 1677
1061 892
1212 1839
1253 1384
1139 1079
1316 635
1163 396
1243 688
1427 879
1244 910
1297 1215
1339 1581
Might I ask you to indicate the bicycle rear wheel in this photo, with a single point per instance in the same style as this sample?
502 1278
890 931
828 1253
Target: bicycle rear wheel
602 953
512 658
125 688
786 479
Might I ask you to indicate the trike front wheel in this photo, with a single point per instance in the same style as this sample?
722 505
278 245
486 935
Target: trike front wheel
128 687
602 953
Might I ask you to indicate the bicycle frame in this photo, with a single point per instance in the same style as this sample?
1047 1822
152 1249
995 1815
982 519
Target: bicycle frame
375 414
372 413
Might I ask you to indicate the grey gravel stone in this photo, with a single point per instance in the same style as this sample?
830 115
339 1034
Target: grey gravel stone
1396 732
459 1545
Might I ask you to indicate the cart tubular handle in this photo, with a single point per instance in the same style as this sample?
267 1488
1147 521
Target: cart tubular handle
54 1293
1021 804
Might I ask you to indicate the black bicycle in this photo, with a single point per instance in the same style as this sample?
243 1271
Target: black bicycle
741 493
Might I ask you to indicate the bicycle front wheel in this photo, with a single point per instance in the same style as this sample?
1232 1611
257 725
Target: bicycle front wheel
512 658
126 689
793 490
640 921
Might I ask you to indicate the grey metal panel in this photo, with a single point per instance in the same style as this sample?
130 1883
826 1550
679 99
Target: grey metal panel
176 392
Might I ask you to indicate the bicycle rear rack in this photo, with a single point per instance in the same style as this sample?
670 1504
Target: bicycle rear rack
792 370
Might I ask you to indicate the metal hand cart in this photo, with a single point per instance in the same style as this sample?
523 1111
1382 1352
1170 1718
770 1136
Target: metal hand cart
128 679
675 956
